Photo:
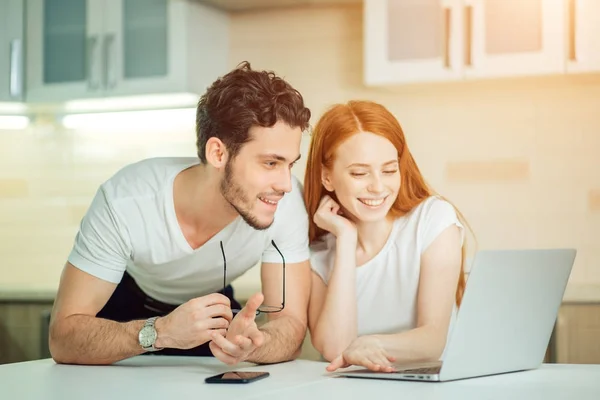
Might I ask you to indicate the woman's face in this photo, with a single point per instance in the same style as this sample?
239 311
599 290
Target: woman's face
364 176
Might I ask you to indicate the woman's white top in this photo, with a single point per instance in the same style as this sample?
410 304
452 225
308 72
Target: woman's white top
387 285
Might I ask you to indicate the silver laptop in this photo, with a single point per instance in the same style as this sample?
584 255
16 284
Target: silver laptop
505 321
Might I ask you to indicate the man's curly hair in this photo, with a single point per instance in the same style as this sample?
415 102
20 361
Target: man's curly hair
244 98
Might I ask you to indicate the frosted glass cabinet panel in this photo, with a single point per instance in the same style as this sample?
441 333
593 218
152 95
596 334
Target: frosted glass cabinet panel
11 50
64 28
514 37
144 38
63 49
420 20
412 40
145 46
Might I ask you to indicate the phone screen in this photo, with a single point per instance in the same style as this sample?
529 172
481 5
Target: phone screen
237 377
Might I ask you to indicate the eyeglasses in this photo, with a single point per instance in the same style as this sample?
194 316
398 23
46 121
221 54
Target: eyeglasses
262 308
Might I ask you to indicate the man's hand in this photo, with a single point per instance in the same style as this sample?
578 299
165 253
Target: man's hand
366 351
243 336
192 323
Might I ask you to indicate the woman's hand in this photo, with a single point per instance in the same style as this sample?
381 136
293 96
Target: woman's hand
328 218
366 351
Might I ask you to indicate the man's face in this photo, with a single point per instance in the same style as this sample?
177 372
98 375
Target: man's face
260 175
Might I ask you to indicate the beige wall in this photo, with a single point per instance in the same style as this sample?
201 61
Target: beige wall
518 157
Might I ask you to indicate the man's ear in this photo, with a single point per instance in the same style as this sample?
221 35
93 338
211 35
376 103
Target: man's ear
326 179
216 152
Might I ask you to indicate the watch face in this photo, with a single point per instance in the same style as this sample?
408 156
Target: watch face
147 336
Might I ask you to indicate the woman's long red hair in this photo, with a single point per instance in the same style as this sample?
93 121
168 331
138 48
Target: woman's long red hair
338 124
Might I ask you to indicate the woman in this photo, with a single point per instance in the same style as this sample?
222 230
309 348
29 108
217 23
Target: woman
386 252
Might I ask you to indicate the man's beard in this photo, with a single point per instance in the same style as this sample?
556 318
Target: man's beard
237 198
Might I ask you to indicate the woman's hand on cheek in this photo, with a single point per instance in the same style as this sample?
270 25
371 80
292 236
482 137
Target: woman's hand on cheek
328 218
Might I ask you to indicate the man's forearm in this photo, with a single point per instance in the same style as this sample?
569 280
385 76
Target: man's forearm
283 339
83 339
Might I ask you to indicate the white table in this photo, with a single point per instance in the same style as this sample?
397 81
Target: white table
162 377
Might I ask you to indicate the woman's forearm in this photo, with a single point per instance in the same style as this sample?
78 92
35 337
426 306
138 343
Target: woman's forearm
425 343
337 326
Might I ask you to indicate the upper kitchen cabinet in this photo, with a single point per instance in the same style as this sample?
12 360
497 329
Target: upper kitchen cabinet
583 38
102 48
11 50
63 49
514 37
412 41
163 46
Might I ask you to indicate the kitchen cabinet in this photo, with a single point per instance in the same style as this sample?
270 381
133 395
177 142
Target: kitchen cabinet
23 331
408 41
577 333
63 49
583 38
412 41
514 37
11 50
103 48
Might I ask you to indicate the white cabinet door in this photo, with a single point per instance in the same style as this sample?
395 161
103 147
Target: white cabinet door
11 50
163 46
583 47
144 46
412 41
514 37
64 42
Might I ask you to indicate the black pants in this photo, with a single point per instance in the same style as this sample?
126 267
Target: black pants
129 302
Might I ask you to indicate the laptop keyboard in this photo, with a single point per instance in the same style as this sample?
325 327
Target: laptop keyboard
425 370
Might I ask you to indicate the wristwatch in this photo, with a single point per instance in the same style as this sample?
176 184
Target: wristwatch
147 336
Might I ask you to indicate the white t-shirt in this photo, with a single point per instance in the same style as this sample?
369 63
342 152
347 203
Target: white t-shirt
387 285
131 225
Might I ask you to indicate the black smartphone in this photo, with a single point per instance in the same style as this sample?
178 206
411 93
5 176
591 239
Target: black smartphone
237 377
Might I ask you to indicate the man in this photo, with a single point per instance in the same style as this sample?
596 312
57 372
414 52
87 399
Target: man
150 266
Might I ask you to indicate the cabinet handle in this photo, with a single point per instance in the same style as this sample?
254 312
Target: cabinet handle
92 44
572 21
447 19
468 34
16 69
110 80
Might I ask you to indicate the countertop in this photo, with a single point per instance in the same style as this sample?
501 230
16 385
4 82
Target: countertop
150 377
582 293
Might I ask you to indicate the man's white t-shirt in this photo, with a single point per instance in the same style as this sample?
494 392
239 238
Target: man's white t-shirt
387 285
131 225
